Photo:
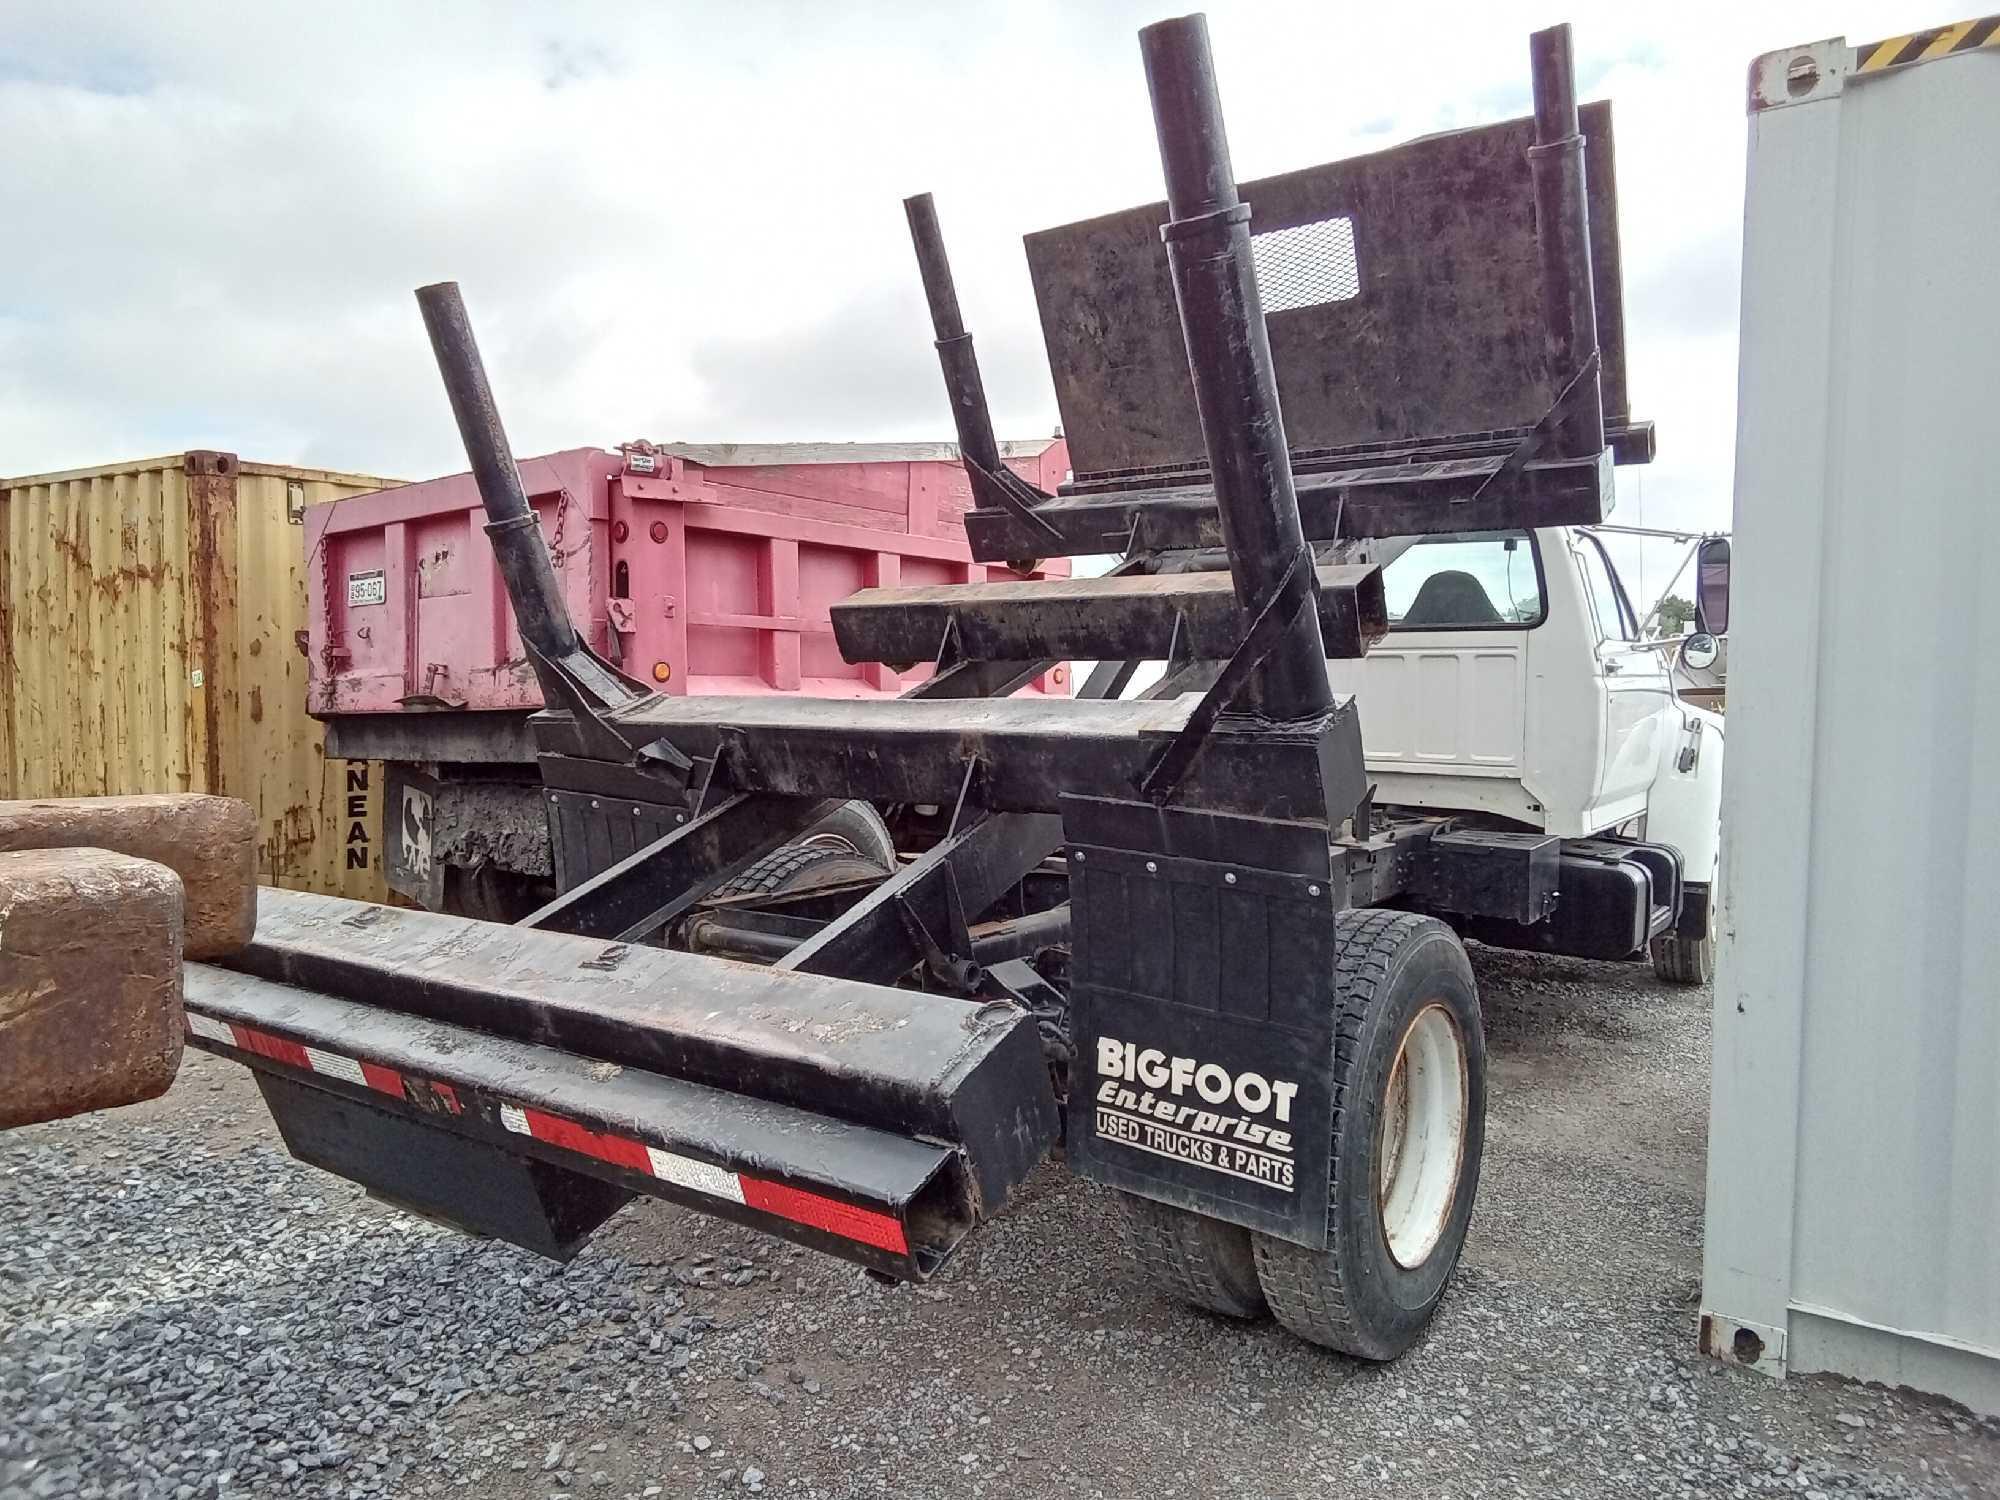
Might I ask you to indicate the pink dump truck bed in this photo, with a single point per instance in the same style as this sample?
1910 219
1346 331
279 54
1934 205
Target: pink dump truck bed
698 568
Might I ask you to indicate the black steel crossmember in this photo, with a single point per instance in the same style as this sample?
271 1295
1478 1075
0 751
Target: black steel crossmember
963 874
1031 750
1413 499
979 679
644 891
1629 442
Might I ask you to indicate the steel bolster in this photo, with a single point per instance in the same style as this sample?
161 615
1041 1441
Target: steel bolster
1184 615
1382 500
1030 753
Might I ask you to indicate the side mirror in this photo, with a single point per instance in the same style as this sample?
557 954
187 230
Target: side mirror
1711 587
1698 651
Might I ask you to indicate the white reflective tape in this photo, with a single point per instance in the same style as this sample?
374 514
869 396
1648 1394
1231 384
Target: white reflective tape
335 1066
512 1117
698 1176
209 1029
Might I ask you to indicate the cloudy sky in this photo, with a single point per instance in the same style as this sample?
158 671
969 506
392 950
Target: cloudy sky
683 221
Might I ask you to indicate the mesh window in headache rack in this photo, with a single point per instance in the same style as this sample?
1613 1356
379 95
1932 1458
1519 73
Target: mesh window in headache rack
1306 265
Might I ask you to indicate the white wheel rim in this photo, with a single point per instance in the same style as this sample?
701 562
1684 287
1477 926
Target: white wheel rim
1423 1136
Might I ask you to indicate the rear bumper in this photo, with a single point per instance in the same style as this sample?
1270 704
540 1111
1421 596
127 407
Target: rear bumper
929 1111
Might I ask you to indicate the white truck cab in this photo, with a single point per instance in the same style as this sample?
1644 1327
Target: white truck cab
1514 687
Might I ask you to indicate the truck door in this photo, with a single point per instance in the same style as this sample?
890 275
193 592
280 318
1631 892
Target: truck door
1635 689
1443 697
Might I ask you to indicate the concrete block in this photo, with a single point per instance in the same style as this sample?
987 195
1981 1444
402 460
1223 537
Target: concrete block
210 842
90 982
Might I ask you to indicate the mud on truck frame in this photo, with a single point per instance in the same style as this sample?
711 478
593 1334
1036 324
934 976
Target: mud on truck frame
1172 935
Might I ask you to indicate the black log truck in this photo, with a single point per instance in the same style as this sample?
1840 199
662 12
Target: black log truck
1165 934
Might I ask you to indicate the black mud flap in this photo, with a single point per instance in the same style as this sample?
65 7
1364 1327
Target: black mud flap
409 821
1202 1012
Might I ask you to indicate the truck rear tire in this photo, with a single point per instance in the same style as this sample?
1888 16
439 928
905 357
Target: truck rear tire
1687 961
1409 1091
797 867
858 828
1193 1258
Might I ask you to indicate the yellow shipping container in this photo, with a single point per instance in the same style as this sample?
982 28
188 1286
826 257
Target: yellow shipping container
150 615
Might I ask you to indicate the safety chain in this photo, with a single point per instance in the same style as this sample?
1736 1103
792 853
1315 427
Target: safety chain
556 554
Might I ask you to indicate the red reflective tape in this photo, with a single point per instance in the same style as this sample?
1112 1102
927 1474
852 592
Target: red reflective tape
574 1137
382 1080
844 1219
326 1062
274 1047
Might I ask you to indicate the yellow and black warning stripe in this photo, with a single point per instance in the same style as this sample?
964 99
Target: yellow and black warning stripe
1922 46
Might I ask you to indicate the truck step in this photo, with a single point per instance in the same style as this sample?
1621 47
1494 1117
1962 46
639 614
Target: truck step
1189 616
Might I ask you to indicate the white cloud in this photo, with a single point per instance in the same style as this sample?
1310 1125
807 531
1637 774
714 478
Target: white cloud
686 222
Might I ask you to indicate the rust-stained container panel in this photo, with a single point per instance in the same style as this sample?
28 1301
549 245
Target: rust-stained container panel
96 586
321 818
148 621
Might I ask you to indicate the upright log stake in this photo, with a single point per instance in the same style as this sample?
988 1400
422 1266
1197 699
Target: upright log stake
1229 357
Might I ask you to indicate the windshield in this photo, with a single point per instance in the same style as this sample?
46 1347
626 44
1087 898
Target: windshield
1489 580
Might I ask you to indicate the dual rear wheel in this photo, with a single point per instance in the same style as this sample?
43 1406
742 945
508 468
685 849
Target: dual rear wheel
1409 1092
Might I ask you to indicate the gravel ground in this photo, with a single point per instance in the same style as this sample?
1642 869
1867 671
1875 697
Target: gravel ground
184 1311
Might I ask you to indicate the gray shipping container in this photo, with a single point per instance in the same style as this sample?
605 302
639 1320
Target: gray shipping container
1854 1150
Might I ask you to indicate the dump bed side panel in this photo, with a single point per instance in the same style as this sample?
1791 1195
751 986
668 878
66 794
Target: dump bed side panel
694 576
